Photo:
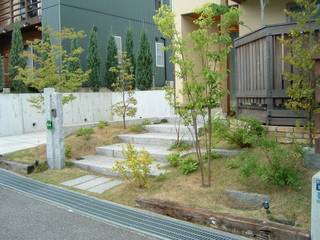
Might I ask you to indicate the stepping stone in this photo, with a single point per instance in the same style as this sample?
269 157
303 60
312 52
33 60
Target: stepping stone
79 180
105 186
92 183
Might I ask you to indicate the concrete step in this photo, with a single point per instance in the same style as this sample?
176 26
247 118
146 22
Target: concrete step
103 165
159 153
158 139
168 128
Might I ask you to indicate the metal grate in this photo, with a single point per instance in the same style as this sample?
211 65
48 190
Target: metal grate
148 223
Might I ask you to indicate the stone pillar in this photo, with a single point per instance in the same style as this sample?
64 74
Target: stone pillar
55 135
315 208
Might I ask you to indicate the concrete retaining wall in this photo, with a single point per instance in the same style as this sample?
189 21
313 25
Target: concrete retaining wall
17 116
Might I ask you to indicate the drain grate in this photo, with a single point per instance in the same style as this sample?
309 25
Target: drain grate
148 223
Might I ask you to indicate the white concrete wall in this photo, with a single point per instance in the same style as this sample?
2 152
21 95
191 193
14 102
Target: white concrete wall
251 14
17 116
150 104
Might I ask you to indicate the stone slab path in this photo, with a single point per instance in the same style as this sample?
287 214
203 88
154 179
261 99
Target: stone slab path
92 183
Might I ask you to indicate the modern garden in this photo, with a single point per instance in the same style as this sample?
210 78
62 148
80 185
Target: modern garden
230 168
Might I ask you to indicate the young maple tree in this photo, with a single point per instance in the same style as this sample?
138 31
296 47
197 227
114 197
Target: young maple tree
124 85
202 87
52 63
303 46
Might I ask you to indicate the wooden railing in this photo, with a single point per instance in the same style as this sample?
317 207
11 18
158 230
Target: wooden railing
12 11
261 87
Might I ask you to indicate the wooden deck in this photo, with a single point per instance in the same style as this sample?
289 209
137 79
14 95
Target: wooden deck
261 87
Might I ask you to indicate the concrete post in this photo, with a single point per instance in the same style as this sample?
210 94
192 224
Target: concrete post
55 135
315 208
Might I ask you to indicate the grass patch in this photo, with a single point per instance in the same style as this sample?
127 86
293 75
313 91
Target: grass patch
180 146
137 128
293 203
75 146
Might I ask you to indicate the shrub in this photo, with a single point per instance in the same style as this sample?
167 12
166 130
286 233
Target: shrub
41 167
68 151
85 133
249 165
102 124
243 132
136 168
146 122
188 166
180 146
282 165
174 159
136 128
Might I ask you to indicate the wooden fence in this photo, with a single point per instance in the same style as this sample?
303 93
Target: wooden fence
261 87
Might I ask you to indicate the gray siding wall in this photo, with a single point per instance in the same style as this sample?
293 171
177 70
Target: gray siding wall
111 17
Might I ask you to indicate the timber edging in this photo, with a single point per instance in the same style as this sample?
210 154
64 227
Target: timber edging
248 227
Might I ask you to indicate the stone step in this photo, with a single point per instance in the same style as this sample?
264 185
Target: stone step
159 153
103 165
158 139
168 128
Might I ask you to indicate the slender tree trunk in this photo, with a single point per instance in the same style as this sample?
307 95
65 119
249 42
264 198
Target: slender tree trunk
310 128
209 145
124 121
198 149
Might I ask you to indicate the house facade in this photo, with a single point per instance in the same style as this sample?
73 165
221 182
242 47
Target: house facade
112 18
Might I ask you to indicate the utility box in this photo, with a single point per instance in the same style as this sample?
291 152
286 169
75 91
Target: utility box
315 208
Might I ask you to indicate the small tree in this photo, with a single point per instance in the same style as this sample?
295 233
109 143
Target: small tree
94 60
203 89
53 70
1 73
303 46
16 59
144 65
111 62
130 51
126 107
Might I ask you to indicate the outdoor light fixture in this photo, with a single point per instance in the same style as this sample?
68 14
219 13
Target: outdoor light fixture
266 206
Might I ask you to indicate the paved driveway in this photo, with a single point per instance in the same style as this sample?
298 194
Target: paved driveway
20 142
25 218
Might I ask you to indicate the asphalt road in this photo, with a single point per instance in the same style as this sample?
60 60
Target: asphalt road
25 218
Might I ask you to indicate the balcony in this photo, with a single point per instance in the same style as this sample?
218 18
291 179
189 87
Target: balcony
11 11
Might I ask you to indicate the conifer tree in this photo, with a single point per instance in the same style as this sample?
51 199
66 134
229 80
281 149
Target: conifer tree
1 73
144 64
130 52
94 60
16 59
111 62
74 48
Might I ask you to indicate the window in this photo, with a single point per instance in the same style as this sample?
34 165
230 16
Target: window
159 3
118 44
160 59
